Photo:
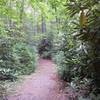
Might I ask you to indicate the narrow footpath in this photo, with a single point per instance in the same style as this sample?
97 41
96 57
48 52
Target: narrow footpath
42 85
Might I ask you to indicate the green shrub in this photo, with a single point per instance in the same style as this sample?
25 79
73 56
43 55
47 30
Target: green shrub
25 57
70 59
62 68
16 58
45 48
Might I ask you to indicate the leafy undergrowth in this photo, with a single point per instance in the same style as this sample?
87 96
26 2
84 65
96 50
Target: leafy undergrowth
85 90
8 87
73 67
16 58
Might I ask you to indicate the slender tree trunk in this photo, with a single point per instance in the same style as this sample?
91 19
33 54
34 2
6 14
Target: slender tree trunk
96 62
35 22
44 29
43 25
57 21
22 11
9 22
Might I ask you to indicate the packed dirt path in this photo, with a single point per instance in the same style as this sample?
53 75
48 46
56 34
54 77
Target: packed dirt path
41 85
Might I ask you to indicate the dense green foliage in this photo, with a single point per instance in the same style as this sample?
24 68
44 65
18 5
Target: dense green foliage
79 59
16 57
71 27
17 54
25 57
45 48
89 33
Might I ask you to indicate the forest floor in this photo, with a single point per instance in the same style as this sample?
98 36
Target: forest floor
44 84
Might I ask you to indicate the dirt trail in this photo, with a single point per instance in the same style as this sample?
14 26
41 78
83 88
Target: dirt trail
42 85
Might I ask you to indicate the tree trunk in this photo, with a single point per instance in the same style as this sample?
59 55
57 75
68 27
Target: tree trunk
35 22
22 11
57 21
43 25
96 63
